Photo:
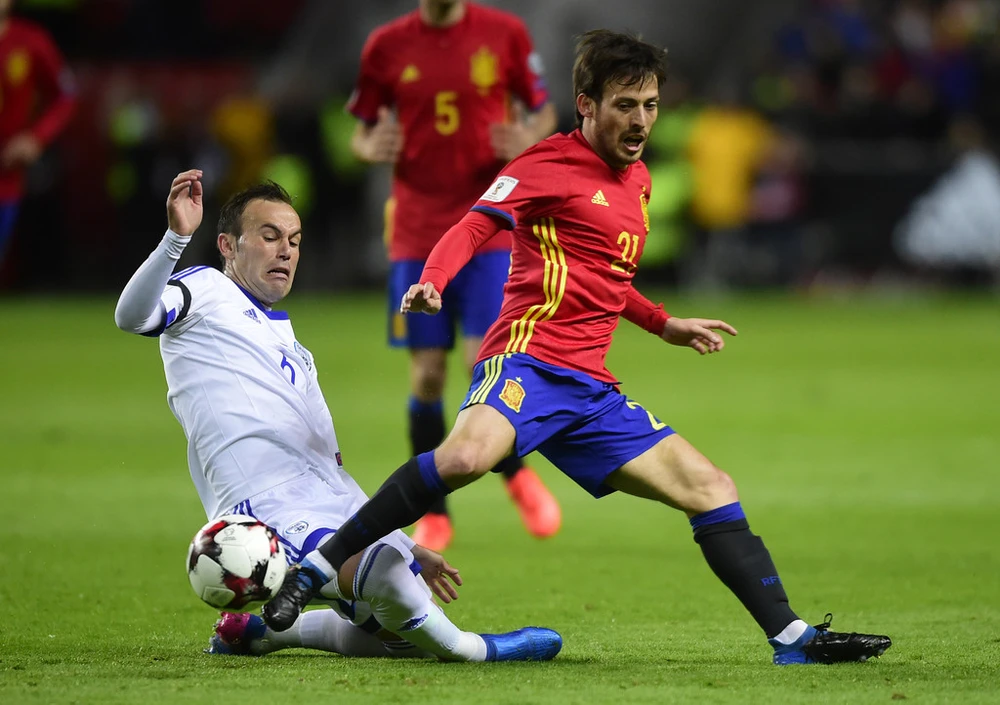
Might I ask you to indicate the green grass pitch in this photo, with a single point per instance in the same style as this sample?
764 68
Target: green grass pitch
864 435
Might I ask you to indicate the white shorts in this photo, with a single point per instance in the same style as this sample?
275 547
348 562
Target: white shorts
305 511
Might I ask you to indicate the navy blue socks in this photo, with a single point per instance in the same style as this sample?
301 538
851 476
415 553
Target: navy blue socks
743 564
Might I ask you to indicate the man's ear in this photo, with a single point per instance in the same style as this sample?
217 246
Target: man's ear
227 245
585 106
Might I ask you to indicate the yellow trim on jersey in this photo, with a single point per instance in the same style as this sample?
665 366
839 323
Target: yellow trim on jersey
492 366
553 284
389 224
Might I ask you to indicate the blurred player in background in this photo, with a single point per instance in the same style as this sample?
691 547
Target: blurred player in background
36 102
440 96
261 440
577 206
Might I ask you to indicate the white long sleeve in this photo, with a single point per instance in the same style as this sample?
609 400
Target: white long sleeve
139 309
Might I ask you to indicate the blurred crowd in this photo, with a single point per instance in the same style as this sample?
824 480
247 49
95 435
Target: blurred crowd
820 160
854 144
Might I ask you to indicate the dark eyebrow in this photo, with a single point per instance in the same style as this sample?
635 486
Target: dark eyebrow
276 229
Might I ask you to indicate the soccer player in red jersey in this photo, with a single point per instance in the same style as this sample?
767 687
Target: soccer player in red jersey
435 98
31 72
577 207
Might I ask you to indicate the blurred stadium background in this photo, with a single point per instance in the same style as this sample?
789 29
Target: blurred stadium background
804 143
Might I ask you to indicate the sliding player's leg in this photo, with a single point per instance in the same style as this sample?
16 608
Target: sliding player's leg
319 629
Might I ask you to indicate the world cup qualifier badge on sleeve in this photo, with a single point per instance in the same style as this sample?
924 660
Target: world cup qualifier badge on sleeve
500 189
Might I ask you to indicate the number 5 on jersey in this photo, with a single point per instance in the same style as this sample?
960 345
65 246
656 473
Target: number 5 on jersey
446 112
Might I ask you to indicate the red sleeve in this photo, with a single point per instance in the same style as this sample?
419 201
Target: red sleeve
56 86
531 185
644 313
527 82
371 91
456 247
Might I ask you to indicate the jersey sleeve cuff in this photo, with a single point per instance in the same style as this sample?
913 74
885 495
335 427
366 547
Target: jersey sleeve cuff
174 244
507 218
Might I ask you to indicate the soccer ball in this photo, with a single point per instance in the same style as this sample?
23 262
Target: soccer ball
235 560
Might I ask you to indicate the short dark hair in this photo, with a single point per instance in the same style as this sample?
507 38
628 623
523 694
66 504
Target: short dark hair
603 57
231 216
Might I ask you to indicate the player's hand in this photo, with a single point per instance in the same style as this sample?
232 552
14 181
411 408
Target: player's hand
697 333
385 139
438 573
509 139
421 298
21 150
184 204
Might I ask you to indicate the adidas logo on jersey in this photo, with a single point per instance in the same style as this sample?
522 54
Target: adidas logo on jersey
599 199
410 74
252 315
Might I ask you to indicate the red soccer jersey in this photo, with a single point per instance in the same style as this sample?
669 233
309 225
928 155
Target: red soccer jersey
447 85
579 227
32 75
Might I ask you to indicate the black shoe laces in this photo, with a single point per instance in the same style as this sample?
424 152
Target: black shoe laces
825 625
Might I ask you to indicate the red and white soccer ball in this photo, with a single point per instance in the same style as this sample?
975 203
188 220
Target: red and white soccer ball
235 560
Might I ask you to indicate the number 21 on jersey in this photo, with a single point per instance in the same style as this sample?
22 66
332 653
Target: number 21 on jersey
630 248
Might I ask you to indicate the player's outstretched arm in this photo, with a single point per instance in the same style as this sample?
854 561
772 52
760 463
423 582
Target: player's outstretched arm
697 333
455 248
139 309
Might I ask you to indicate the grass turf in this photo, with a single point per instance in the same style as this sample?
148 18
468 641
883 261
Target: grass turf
863 435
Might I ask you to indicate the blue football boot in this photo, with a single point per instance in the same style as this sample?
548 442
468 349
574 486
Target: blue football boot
527 644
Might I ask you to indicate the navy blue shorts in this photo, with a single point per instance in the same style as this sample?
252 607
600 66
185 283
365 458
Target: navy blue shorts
471 301
587 429
8 214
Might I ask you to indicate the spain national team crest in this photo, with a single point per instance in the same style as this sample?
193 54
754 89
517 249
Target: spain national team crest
17 67
643 201
483 71
512 395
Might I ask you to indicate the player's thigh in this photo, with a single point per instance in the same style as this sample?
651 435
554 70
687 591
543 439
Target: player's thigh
612 431
416 330
428 372
470 351
480 438
675 473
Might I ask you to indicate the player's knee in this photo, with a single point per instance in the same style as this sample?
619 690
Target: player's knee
707 487
463 461
382 575
428 380
723 487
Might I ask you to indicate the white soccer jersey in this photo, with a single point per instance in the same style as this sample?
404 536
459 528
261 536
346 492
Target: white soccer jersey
245 392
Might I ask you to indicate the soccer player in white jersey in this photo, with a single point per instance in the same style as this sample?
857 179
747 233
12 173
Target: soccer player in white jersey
261 440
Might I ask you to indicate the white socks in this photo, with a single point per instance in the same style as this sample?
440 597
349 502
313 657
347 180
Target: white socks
402 604
791 633
325 630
